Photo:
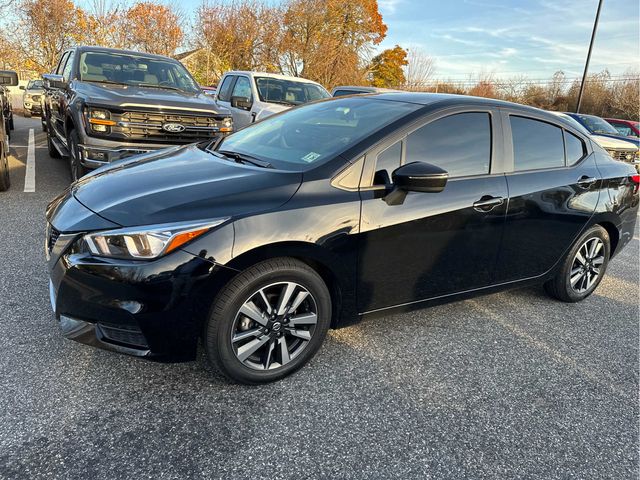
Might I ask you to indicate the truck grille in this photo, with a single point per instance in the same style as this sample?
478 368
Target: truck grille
155 126
622 155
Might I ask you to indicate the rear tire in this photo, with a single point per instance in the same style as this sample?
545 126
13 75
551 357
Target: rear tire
289 313
5 179
27 114
583 267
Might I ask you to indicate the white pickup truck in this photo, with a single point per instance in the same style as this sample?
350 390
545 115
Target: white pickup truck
252 96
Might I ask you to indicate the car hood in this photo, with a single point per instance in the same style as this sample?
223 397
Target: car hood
611 142
182 184
126 96
629 141
271 109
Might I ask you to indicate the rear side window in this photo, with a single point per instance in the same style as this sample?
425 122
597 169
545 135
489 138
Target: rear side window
224 94
460 144
536 144
574 148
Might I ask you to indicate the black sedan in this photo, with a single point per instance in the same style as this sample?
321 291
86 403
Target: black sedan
317 217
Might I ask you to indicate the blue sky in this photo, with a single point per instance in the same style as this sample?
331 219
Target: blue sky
509 38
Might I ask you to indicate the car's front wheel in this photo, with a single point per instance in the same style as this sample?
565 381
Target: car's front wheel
583 267
5 179
268 321
77 169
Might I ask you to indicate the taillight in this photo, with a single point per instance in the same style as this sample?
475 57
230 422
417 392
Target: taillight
635 179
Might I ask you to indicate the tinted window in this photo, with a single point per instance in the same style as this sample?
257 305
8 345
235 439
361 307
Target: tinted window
61 64
224 94
342 93
387 162
242 88
536 144
574 147
312 134
461 144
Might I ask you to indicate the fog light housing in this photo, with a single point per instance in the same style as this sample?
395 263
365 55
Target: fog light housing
94 155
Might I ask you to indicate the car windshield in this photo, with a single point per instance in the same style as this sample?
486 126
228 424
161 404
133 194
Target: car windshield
288 92
597 125
135 70
313 134
34 84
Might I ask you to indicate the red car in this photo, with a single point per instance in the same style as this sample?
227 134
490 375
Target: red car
628 128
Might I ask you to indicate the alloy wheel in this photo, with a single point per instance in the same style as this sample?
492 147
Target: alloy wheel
586 265
274 325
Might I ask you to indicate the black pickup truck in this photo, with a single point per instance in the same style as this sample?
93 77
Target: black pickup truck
8 78
103 104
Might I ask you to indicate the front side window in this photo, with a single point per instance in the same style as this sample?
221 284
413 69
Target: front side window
66 73
60 66
136 71
536 144
288 92
313 134
242 88
460 144
386 163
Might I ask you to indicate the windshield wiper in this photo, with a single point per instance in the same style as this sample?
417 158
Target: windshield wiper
278 102
111 82
151 85
243 158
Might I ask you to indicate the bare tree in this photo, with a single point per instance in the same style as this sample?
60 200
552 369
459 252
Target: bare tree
419 70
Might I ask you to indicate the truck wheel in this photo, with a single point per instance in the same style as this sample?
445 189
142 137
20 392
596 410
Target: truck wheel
5 180
77 169
27 114
268 321
11 127
53 151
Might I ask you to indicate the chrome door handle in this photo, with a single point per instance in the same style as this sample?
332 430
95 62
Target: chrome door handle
586 182
487 203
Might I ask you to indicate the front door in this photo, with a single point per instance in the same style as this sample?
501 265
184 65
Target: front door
427 245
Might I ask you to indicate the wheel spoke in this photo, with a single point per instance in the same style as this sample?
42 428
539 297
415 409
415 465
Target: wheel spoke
576 278
250 310
269 359
298 300
265 300
591 278
303 334
285 296
303 319
598 261
284 351
580 258
594 247
254 332
245 351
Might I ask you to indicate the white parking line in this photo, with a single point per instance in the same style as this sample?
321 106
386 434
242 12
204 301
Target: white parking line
30 172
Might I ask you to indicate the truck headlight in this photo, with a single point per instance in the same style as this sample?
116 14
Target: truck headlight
100 120
145 243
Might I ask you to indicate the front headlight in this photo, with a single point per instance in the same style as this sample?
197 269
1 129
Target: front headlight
144 243
100 120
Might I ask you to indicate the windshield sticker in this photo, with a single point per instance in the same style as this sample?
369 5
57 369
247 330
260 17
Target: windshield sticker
310 157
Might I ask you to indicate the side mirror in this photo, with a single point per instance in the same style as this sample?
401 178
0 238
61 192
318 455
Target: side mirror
8 78
420 177
21 87
54 81
241 102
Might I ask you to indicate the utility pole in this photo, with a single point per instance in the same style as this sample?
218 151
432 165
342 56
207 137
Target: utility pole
586 65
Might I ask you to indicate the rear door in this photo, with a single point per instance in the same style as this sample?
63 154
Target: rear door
554 186
53 98
433 244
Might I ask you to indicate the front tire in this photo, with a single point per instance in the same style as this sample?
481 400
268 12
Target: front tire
268 321
5 179
77 169
583 267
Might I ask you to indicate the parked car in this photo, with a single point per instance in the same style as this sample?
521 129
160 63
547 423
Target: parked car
104 104
8 78
599 126
32 98
252 96
5 101
209 90
619 149
325 214
358 90
626 128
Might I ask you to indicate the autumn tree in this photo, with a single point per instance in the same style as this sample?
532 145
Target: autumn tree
106 23
153 28
419 69
386 68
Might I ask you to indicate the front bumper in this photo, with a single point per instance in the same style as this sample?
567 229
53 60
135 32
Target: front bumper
34 108
149 308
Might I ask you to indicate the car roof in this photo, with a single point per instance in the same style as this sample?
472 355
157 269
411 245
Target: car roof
251 73
364 88
88 48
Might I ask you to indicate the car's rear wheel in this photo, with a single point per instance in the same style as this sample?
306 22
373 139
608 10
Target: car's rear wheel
268 321
583 267
76 167
5 179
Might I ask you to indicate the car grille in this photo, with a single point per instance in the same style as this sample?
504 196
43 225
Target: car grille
125 334
622 155
52 237
148 126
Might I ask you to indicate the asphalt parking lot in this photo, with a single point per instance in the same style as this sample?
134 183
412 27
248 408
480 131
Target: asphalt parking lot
511 385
